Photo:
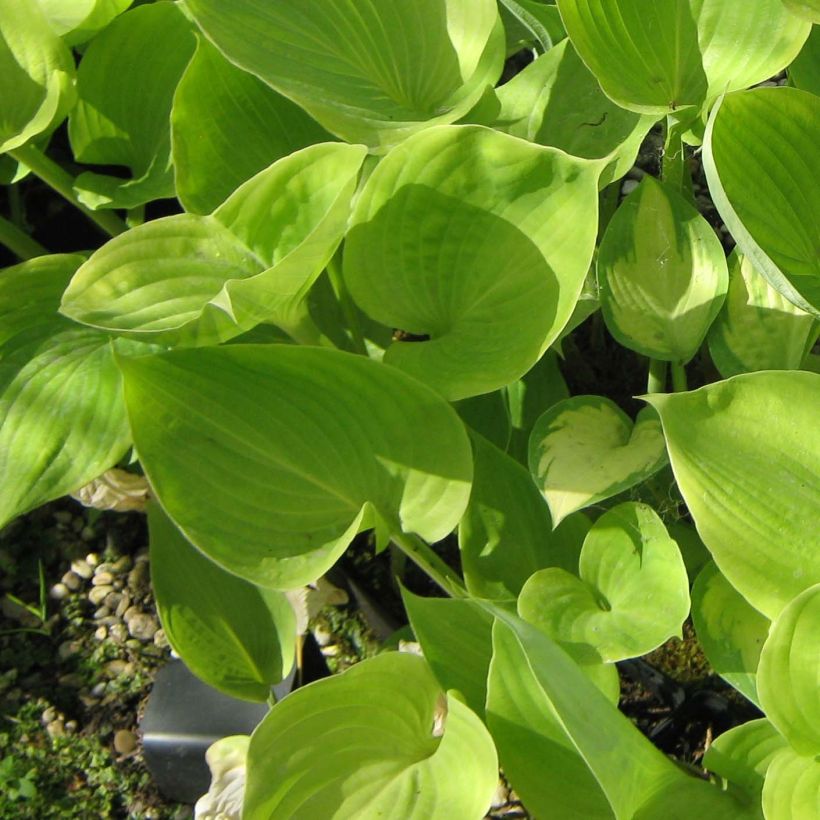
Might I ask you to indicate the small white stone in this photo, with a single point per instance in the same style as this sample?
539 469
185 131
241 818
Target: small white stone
83 568
102 579
72 580
629 186
98 594
58 592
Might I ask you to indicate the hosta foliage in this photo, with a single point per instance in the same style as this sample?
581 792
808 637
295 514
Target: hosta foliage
352 319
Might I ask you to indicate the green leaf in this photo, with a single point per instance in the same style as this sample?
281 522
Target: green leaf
203 279
36 74
632 595
770 206
541 387
456 638
586 449
730 631
792 787
530 23
369 743
459 229
788 671
355 66
236 636
62 419
271 458
126 84
662 57
638 780
662 274
692 549
745 453
804 71
538 757
227 125
79 20
807 9
758 329
488 415
743 754
557 101
506 533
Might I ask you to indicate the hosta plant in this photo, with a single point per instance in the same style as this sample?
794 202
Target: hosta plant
352 321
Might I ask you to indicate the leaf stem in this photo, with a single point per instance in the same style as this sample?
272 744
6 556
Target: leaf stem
423 555
656 383
19 242
135 216
679 381
61 181
334 272
674 158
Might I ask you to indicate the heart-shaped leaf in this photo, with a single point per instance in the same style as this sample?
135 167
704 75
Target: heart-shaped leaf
730 631
660 57
36 74
586 449
379 740
62 419
770 207
743 754
792 786
203 279
788 671
506 533
355 65
746 456
255 127
460 229
234 635
270 458
662 274
633 591
758 329
126 84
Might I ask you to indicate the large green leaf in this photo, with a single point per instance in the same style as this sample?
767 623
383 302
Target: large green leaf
586 449
126 84
807 9
758 329
227 125
506 533
234 635
62 418
762 159
632 594
78 20
271 458
557 101
662 274
456 638
368 72
804 71
743 754
203 279
380 740
792 787
789 670
36 74
746 456
730 631
638 780
663 56
460 229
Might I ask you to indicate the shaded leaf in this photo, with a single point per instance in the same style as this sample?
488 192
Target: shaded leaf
792 787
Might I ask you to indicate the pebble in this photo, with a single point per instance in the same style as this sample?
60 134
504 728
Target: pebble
58 592
142 626
72 680
72 580
56 729
101 633
131 612
68 648
118 633
125 741
113 600
116 668
123 605
138 577
106 566
322 635
102 612
98 690
122 565
49 715
629 186
118 584
71 727
161 639
92 559
102 578
98 594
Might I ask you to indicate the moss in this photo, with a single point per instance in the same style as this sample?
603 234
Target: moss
682 660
